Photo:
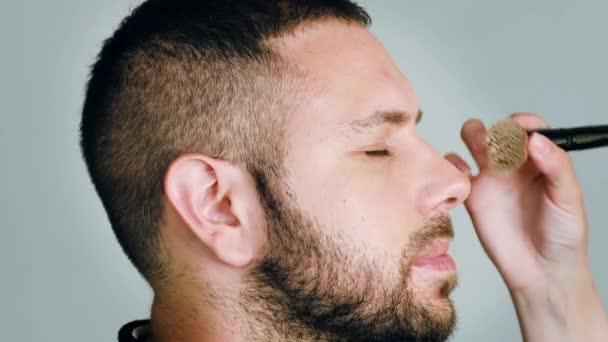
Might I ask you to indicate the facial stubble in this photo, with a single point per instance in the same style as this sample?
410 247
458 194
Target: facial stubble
313 286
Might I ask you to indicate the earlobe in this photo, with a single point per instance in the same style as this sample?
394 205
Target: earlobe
202 192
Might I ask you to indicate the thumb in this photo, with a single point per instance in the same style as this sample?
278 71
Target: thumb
555 164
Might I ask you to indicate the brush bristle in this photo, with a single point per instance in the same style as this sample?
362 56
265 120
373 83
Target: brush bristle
507 145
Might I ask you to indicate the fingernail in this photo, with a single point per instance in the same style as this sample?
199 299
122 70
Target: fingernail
540 144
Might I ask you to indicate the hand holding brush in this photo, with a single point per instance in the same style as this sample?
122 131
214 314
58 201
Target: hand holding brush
532 223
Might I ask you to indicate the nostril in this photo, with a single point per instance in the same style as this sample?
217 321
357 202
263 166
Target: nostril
452 200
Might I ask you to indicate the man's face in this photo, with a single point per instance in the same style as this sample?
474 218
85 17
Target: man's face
364 199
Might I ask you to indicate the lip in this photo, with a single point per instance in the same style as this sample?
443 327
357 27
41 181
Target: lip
435 256
437 248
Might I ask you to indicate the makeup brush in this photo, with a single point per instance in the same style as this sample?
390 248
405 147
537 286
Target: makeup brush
508 142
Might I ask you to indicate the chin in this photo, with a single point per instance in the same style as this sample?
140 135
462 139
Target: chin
437 309
439 298
433 284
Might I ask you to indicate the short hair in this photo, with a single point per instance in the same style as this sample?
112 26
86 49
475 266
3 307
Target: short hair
182 76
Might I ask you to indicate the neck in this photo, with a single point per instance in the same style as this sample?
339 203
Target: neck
187 319
183 320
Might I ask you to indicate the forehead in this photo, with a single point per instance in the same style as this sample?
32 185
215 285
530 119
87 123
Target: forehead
349 73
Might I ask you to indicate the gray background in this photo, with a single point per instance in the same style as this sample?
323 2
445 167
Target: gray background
64 277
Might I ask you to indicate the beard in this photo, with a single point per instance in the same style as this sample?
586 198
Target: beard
313 286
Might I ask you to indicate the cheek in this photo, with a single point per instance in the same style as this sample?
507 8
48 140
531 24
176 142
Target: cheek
373 211
370 204
378 216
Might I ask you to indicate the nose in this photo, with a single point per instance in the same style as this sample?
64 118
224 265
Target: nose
443 187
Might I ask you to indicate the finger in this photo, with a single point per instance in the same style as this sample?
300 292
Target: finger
555 164
529 121
459 163
473 134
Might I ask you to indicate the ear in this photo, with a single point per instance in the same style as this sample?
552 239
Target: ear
218 202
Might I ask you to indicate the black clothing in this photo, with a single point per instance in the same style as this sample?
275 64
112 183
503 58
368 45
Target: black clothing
136 331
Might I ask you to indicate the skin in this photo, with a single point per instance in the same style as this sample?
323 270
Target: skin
217 228
540 224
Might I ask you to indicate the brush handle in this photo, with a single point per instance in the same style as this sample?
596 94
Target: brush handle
577 138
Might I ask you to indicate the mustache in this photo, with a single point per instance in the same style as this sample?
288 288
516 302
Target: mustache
435 228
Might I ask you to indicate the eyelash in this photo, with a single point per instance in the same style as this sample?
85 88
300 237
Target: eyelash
378 153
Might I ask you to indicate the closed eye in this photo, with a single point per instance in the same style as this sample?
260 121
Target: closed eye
378 153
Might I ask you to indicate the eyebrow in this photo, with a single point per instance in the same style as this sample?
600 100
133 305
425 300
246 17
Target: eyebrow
379 118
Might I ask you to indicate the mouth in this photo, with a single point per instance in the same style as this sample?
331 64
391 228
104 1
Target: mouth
436 257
